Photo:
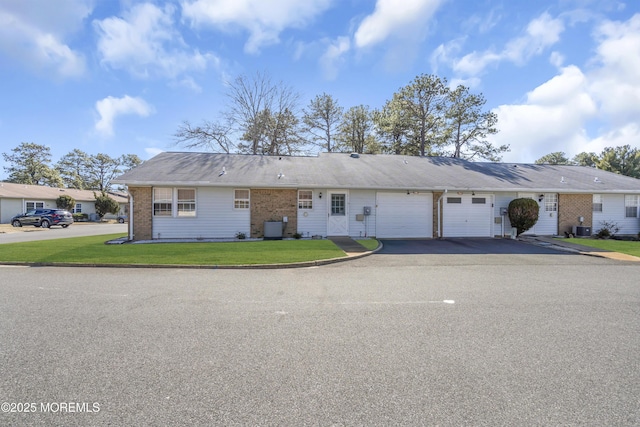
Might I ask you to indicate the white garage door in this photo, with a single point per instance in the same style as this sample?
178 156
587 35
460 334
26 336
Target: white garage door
468 215
402 215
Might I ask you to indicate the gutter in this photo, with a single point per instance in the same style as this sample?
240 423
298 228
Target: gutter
438 203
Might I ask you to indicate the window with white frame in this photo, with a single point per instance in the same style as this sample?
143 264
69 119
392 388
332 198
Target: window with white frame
77 209
241 199
597 203
31 205
631 203
186 202
305 199
162 201
551 202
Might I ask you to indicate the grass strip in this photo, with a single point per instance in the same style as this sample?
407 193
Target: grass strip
92 250
621 246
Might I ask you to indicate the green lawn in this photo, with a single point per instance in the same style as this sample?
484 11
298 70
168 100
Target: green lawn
622 246
92 250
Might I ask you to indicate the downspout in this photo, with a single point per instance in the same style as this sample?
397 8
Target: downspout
131 235
438 203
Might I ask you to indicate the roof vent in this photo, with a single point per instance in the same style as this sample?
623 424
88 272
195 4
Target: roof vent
355 156
562 180
596 179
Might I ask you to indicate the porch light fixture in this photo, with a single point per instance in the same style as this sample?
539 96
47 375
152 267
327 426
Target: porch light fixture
320 195
473 193
540 197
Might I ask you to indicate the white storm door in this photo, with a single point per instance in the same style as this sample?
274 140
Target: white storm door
338 215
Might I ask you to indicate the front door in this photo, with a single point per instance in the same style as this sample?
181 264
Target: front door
338 221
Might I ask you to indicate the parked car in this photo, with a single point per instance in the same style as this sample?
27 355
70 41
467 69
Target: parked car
44 218
122 219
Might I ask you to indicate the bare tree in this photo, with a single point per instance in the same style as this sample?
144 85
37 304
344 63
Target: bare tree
251 101
211 136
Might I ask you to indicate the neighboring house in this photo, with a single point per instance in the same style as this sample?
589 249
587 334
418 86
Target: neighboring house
202 195
19 198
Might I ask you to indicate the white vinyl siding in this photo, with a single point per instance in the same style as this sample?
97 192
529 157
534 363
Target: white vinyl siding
217 218
614 210
358 199
313 222
402 215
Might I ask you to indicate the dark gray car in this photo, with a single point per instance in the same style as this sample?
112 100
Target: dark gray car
44 218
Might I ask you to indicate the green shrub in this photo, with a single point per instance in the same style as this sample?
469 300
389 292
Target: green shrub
105 205
297 236
77 217
66 202
523 214
609 229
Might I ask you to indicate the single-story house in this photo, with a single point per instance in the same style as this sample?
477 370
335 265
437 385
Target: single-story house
19 198
204 195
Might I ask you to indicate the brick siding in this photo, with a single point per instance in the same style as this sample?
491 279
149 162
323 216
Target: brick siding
142 209
273 204
570 208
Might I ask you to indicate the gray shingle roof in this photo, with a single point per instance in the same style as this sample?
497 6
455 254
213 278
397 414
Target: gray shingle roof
40 192
341 170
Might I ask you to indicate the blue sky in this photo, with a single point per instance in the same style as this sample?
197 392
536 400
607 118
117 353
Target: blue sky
118 77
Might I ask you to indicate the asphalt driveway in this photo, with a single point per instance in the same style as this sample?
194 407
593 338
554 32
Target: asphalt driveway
463 246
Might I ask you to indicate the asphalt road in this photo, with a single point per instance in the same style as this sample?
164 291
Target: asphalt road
30 234
390 339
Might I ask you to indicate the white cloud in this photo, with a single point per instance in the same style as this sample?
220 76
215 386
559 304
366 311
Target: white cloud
552 118
557 114
110 108
33 33
145 43
391 18
264 20
540 34
616 78
332 58
445 53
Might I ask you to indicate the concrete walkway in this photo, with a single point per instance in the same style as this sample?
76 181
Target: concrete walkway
347 244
